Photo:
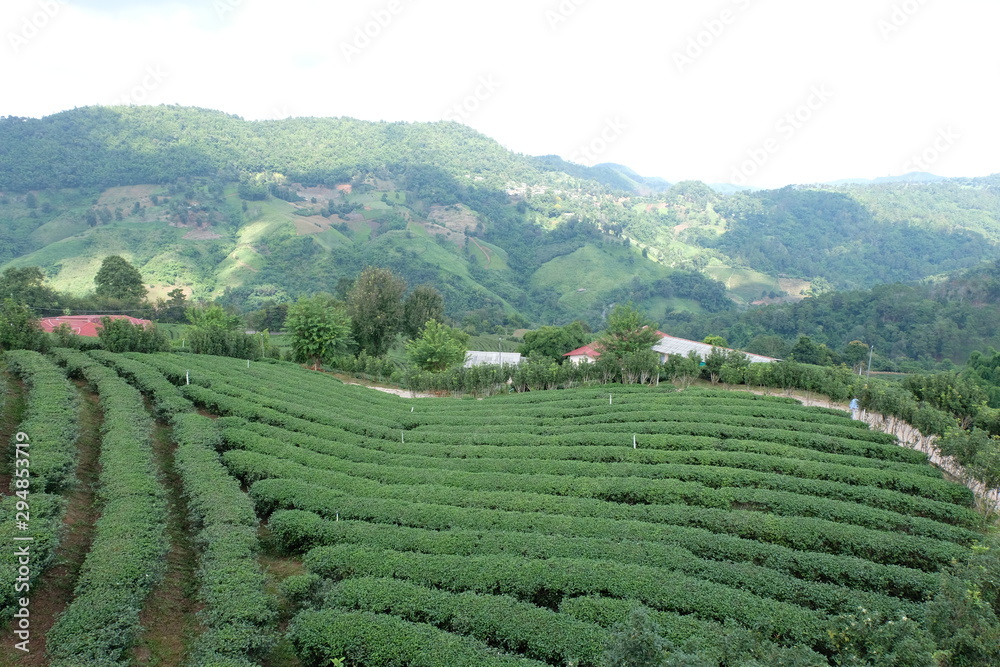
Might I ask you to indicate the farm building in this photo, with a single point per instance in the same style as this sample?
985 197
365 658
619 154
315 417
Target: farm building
85 325
479 358
584 355
671 345
589 353
667 345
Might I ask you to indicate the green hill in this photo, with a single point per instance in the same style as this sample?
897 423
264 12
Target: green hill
248 211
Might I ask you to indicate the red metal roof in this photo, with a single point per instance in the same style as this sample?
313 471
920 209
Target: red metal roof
86 325
588 350
593 350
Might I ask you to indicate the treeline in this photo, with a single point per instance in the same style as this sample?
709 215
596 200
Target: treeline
108 146
806 233
928 323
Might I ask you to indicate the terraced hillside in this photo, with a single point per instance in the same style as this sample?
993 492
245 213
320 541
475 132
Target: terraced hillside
519 529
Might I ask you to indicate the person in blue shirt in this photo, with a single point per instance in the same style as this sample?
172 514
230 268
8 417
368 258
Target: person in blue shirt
855 406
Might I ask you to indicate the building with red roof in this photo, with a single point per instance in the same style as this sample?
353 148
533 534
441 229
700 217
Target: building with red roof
586 354
86 325
590 352
666 346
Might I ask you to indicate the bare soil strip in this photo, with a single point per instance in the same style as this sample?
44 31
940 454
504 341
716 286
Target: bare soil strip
169 616
54 590
10 417
483 250
277 568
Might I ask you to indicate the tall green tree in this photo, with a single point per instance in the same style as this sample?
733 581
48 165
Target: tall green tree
718 341
628 332
806 351
438 347
213 318
121 335
172 310
118 279
375 306
627 354
215 331
27 285
319 328
554 342
19 328
423 305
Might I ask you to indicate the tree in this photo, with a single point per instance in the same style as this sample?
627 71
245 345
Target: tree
117 279
174 309
423 305
64 336
375 306
271 317
554 342
628 332
319 328
717 341
682 370
768 345
438 347
215 331
121 335
806 351
627 346
714 362
19 328
27 285
856 354
212 317
734 368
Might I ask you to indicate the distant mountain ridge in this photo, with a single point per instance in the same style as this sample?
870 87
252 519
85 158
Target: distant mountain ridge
258 212
912 177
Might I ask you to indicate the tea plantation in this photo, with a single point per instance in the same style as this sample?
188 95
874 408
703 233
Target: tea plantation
326 521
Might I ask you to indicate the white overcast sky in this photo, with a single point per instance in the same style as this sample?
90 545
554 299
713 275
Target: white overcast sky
762 92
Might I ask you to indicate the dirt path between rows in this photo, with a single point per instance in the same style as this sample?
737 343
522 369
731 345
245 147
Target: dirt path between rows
168 618
405 393
55 586
11 411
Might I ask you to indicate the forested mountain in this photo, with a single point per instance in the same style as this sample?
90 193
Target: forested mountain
109 146
259 212
930 322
